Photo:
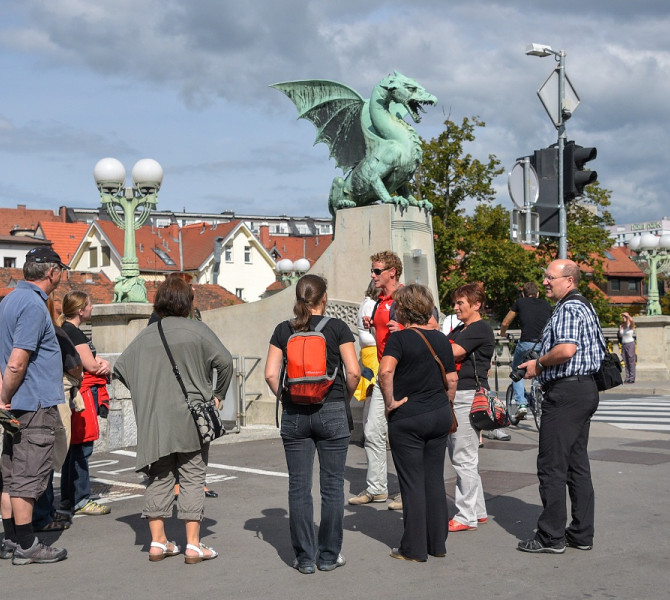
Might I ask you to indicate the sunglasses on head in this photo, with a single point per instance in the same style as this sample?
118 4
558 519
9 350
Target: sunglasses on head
379 271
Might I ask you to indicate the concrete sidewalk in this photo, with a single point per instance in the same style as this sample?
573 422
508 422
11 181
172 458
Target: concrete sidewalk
248 525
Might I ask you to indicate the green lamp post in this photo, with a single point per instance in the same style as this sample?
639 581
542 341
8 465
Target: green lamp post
136 204
289 272
653 250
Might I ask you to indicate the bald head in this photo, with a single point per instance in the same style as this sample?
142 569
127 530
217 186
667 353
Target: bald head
561 277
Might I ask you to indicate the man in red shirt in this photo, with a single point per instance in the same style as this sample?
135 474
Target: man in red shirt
385 272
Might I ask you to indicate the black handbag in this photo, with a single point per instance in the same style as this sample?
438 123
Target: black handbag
609 374
205 414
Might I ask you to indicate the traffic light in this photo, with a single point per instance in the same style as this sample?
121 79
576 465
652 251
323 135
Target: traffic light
545 162
575 178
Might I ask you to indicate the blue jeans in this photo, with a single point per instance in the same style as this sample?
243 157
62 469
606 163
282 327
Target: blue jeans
521 349
43 510
75 482
304 429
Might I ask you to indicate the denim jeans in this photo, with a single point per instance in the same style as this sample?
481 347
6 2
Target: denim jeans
43 510
75 482
304 429
521 349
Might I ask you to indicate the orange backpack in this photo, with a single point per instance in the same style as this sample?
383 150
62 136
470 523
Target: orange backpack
306 379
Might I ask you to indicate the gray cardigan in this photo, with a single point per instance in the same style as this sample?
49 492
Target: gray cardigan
164 423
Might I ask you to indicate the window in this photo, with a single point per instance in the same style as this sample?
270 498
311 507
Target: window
10 262
106 256
239 292
228 254
247 255
632 285
93 257
615 285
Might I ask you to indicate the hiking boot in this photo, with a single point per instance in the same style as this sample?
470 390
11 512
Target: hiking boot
7 549
537 546
93 508
366 497
38 553
340 562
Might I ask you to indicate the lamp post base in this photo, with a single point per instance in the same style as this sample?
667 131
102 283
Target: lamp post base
130 289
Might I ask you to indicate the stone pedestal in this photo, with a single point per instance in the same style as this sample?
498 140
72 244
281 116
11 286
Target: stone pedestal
653 348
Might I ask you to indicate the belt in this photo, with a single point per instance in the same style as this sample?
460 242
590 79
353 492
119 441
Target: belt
571 378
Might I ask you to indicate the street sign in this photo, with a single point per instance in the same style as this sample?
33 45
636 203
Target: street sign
515 185
519 228
548 95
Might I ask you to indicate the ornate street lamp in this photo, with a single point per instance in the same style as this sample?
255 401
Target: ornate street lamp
136 203
653 256
289 272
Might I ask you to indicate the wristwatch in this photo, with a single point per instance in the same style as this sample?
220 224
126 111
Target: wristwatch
538 365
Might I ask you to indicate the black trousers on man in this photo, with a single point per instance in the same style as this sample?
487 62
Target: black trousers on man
563 460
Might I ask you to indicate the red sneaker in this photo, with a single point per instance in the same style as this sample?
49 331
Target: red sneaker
456 526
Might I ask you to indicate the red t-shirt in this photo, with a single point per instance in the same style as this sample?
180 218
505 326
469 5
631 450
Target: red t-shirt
380 323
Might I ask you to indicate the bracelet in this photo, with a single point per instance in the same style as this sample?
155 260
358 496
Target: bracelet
538 365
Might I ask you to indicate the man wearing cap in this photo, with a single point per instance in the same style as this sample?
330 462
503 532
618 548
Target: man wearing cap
32 386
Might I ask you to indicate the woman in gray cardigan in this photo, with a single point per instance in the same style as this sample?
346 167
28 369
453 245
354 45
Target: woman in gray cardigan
167 438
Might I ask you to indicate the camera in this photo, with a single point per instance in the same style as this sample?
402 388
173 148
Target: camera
518 374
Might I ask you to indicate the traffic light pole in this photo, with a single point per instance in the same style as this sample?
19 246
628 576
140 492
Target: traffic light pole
562 217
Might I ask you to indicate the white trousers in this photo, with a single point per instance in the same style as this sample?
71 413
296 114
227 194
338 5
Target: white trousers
375 429
464 454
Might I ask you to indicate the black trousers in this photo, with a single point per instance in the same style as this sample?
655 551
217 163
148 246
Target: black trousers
563 460
418 446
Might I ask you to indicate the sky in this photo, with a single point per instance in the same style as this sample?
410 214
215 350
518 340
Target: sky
186 82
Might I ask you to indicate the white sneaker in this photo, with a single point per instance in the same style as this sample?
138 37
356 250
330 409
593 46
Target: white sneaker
521 412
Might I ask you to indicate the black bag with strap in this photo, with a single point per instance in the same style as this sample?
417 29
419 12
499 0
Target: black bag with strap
608 376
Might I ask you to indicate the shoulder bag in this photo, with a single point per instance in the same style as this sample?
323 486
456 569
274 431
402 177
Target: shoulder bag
454 421
488 412
205 414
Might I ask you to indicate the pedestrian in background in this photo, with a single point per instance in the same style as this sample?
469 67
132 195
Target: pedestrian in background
627 341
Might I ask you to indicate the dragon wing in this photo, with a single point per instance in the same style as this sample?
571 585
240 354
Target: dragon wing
335 111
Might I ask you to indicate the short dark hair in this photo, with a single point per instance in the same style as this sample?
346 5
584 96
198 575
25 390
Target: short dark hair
530 289
174 298
473 292
414 304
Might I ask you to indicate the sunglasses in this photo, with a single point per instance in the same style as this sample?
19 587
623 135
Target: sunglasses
378 272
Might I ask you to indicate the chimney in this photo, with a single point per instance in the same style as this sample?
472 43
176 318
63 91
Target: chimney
264 235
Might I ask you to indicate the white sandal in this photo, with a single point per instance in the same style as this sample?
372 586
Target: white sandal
191 560
164 548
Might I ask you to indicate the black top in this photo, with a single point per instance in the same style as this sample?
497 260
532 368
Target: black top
533 314
71 358
336 333
417 375
478 339
77 336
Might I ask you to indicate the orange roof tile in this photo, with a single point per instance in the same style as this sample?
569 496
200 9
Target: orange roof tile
198 241
310 247
24 218
65 237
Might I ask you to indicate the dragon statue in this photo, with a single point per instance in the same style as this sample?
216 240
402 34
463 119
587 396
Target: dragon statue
369 139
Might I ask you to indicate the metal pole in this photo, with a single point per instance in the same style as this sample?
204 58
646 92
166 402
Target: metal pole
653 304
562 218
526 197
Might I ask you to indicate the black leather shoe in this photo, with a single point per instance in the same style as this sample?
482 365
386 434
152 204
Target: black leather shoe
211 494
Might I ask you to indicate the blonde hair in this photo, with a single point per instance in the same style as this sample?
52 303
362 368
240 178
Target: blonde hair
73 302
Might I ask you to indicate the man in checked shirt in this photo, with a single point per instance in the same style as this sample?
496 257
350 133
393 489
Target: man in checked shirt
571 350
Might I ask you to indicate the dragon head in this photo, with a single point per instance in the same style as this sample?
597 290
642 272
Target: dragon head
407 92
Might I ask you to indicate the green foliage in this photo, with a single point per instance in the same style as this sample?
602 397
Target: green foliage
477 247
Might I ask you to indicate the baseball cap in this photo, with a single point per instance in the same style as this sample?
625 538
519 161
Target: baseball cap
44 254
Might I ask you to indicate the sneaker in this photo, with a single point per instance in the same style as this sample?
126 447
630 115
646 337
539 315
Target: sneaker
498 434
305 569
521 412
7 549
537 546
38 553
366 497
340 562
570 544
396 503
93 508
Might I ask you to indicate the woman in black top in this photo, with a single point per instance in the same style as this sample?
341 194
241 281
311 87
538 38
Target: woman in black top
321 427
473 344
419 414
